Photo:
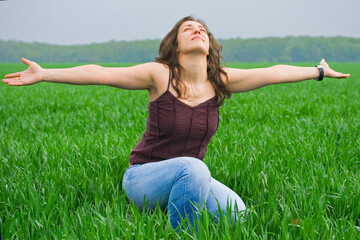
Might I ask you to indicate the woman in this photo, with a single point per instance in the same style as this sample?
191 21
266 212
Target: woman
186 86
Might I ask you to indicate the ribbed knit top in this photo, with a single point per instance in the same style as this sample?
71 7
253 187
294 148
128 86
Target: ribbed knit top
176 129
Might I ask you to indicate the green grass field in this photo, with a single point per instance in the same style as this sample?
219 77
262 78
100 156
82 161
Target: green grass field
291 151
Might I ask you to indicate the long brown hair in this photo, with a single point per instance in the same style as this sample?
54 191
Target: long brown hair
168 55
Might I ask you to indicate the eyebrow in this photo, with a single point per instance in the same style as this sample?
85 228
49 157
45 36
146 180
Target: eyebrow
190 25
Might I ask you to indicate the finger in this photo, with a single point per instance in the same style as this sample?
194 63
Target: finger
324 63
344 75
8 80
11 75
18 83
339 75
25 61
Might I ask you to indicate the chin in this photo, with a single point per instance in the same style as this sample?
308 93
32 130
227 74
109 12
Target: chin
198 50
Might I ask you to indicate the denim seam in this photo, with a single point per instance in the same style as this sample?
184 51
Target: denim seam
186 195
185 190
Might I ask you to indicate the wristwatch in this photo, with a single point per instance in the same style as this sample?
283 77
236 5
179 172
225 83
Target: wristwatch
321 70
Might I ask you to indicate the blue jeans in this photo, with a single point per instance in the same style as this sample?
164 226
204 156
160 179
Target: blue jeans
176 184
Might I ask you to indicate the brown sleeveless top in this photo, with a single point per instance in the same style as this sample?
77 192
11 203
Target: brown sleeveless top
175 129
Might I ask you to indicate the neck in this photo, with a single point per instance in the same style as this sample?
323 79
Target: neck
193 67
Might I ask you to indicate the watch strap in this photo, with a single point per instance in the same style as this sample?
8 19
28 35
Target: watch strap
321 75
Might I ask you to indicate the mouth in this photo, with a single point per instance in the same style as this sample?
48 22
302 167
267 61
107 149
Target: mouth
198 37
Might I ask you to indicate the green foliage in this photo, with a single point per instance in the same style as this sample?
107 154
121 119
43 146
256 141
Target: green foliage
291 151
289 49
111 52
292 49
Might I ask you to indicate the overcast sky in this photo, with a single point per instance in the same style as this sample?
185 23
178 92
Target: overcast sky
88 21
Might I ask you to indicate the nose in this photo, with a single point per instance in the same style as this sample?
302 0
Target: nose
197 31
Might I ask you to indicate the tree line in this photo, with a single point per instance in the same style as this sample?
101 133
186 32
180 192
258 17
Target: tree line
271 49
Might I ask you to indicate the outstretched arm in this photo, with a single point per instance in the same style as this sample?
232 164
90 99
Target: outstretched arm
135 77
242 80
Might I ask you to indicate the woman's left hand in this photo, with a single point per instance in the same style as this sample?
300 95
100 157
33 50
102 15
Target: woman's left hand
328 72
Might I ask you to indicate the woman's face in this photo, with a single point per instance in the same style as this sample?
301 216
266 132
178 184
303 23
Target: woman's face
192 37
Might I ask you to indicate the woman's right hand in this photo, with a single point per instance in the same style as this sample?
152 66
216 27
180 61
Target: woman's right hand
30 76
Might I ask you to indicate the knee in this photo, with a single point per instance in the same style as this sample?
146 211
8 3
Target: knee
194 169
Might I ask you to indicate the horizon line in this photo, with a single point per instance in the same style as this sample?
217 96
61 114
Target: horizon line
159 39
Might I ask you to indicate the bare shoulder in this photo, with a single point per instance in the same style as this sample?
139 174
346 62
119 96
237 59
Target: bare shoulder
157 69
227 76
160 76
